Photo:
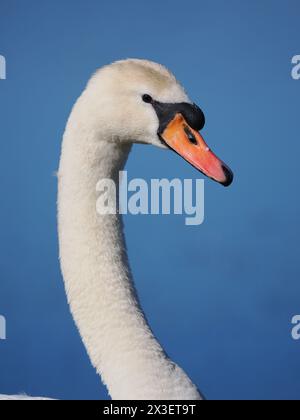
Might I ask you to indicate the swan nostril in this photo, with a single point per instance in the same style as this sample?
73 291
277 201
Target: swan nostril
190 135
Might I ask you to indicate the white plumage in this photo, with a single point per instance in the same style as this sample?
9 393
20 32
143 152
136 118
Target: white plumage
21 398
108 117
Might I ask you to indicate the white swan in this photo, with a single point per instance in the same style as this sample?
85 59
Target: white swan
128 101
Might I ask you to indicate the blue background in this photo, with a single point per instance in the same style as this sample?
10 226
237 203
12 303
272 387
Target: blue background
220 297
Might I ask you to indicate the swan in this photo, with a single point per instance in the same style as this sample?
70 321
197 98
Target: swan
126 102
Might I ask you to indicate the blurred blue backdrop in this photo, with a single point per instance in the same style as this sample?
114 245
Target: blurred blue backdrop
220 297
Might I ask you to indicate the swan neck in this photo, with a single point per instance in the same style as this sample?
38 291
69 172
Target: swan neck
97 277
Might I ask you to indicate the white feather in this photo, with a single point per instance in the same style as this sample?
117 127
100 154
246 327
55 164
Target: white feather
21 398
108 117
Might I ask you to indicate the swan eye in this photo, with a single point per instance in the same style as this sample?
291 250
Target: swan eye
148 99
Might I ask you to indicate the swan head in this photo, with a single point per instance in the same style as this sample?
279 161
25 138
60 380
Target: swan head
138 101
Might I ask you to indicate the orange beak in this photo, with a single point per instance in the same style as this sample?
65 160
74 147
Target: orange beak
189 144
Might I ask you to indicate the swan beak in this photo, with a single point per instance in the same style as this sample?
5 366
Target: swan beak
189 144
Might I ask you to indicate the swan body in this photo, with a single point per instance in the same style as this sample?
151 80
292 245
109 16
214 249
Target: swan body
21 398
126 102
